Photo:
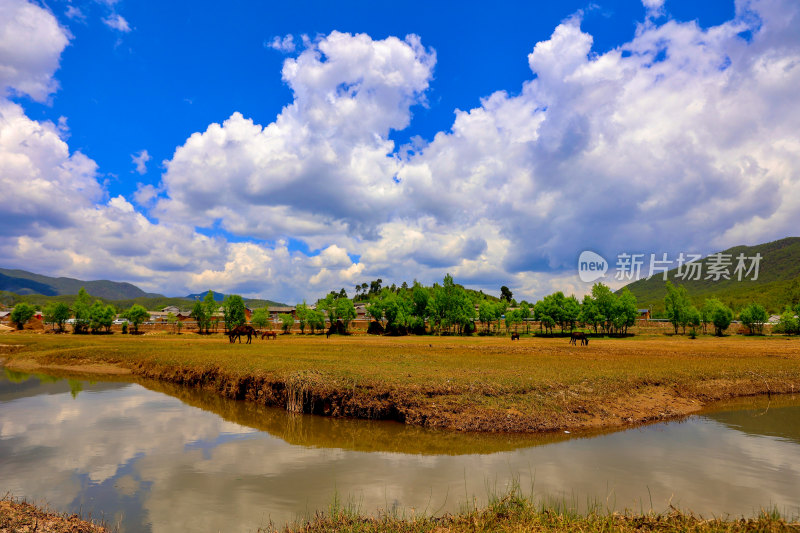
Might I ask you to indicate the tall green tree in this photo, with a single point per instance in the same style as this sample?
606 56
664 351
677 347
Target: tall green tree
233 311
137 314
260 318
101 316
211 307
605 303
754 316
316 320
56 313
788 324
375 310
81 308
451 308
628 309
695 317
720 314
420 297
571 313
200 316
303 315
506 294
345 311
287 321
328 306
677 306
589 312
21 313
486 313
525 313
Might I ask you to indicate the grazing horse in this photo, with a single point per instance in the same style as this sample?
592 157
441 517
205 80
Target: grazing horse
268 334
515 336
579 335
240 330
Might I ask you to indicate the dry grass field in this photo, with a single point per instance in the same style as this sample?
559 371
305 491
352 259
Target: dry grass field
464 383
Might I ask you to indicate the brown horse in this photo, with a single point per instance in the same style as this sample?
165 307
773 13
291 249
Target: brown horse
240 330
268 334
515 336
576 335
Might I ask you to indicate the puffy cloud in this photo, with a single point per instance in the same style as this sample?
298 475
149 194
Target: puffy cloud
325 162
75 13
117 22
680 136
38 172
31 42
282 44
140 160
654 7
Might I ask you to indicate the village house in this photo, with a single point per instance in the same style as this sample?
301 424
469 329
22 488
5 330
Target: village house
276 310
247 313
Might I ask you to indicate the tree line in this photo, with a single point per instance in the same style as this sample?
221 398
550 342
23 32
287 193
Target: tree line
682 314
87 315
449 308
446 308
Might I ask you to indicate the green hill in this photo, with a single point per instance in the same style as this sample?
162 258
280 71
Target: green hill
23 286
23 282
778 280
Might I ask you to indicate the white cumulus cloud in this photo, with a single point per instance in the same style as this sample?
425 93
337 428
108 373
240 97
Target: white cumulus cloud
31 42
117 22
683 139
140 160
284 44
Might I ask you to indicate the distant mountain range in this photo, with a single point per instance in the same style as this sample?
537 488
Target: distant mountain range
23 282
778 280
252 303
34 286
218 296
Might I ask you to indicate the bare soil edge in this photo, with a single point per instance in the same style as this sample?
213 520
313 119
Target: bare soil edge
306 393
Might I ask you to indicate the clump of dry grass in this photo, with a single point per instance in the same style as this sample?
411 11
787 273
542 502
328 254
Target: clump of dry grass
19 516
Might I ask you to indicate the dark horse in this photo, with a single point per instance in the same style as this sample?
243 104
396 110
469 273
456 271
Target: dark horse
268 334
576 335
240 330
515 336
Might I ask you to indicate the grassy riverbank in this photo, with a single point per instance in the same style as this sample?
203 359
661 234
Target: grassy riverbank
473 383
20 517
514 513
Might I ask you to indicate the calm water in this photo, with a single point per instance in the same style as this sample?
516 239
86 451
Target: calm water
159 458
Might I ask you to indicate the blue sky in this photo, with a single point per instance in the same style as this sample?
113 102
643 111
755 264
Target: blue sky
196 65
286 155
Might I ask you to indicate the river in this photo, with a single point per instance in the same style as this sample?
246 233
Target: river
154 457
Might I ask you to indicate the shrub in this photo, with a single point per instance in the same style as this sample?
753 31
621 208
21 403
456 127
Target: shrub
754 316
21 314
